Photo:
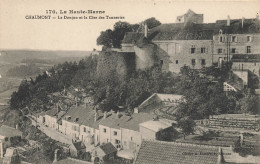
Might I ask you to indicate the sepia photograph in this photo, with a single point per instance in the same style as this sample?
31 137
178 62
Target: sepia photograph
129 82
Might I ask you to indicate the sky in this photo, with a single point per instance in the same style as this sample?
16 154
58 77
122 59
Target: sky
17 32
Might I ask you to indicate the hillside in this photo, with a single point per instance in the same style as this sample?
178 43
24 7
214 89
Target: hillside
14 56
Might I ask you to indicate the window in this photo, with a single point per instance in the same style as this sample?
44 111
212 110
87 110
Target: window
248 49
203 62
85 129
176 61
221 39
161 63
117 141
220 51
104 130
233 39
115 133
193 62
131 138
233 50
6 139
203 50
192 50
249 38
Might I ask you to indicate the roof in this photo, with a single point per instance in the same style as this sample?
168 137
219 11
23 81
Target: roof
132 37
52 112
9 131
156 125
113 121
154 152
135 120
169 97
79 145
249 26
195 31
72 160
108 148
85 116
246 58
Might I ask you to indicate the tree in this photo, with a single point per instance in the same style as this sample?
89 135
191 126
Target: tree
249 104
105 38
187 126
120 28
152 22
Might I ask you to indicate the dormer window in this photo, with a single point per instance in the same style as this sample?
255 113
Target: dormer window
221 39
249 38
76 120
220 32
233 39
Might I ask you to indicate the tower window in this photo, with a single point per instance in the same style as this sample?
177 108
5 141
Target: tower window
176 61
233 50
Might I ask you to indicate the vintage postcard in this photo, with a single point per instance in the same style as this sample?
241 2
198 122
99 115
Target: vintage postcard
129 82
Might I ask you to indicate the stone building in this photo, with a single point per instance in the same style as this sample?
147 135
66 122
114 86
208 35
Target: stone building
192 43
190 16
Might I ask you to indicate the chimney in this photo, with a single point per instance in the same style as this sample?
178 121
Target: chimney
243 19
220 156
118 114
241 139
145 30
17 126
55 155
228 20
105 115
95 116
1 150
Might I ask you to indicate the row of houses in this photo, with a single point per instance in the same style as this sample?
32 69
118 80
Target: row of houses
196 44
92 127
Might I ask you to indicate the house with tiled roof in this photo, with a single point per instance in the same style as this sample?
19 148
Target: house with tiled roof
7 134
104 152
82 123
154 152
77 148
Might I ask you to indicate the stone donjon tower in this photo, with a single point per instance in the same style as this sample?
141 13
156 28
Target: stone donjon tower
190 16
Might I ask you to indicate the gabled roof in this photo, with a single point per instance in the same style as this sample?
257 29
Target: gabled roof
52 112
85 115
8 131
108 148
113 121
156 125
72 161
132 37
79 145
135 120
155 152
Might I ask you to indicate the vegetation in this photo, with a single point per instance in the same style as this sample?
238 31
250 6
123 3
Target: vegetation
113 38
202 96
23 71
